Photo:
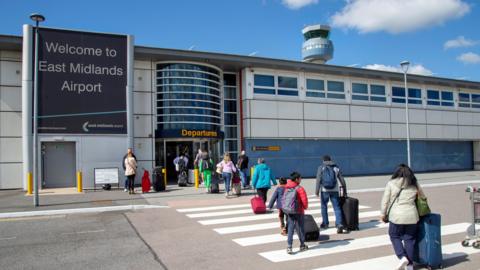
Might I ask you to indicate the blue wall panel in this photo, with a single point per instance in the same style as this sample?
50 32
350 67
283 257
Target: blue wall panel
357 157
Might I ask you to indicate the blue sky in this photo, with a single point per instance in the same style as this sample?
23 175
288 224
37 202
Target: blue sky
439 37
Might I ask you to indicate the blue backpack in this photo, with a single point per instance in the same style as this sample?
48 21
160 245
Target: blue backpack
290 201
329 179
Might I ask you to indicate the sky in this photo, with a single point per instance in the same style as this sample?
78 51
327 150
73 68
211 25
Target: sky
439 37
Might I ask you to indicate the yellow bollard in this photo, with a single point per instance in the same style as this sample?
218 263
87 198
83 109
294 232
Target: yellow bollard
79 182
164 171
195 176
251 173
29 183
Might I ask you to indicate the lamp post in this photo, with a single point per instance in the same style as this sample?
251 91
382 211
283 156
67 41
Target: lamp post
37 18
404 65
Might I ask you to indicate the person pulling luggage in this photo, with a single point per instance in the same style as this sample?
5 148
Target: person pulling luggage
330 181
294 204
277 197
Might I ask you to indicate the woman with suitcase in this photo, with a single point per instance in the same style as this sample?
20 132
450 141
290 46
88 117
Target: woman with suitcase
398 207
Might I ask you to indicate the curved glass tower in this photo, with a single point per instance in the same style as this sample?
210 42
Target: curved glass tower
317 47
188 97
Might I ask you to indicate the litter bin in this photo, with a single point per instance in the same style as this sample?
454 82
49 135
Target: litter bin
157 178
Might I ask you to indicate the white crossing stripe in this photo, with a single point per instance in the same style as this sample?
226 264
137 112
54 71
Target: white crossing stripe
255 217
348 245
247 211
272 225
272 238
450 251
209 208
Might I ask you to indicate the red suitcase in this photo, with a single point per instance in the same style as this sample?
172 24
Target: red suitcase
258 206
145 182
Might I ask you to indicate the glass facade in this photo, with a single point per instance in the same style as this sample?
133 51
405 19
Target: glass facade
230 90
188 97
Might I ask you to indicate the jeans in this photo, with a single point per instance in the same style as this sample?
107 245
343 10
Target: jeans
126 183
333 196
407 233
244 176
295 221
131 182
262 192
227 177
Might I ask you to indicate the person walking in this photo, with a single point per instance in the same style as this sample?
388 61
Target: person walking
130 172
205 167
129 150
262 177
329 182
242 165
196 165
296 221
399 208
227 168
277 197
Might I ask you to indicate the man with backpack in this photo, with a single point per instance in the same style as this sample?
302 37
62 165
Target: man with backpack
181 166
330 181
294 204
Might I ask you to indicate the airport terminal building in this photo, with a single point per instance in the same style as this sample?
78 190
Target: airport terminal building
289 112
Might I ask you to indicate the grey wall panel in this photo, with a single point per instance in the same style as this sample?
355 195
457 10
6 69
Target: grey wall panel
380 114
465 118
381 130
11 55
11 73
10 98
399 131
141 165
142 64
338 129
476 119
316 129
434 117
417 131
361 130
360 113
290 110
11 150
246 128
338 112
449 118
434 131
143 148
263 109
290 128
465 132
476 133
142 103
264 128
397 115
417 116
10 124
450 132
142 80
10 175
315 111
142 125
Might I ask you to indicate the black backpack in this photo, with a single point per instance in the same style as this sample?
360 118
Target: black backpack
181 164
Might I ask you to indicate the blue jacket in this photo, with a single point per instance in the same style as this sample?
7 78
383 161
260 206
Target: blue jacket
262 175
277 196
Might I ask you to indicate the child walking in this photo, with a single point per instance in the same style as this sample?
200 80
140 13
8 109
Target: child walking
277 197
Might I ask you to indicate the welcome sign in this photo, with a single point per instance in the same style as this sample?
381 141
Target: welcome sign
82 79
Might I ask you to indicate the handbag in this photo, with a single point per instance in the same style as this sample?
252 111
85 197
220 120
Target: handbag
390 208
422 206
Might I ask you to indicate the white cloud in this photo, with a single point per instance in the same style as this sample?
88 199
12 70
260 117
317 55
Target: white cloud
413 69
469 58
297 4
397 16
460 41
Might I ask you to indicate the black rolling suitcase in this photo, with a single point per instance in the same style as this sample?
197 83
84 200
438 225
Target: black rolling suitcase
157 177
312 233
182 179
214 188
350 213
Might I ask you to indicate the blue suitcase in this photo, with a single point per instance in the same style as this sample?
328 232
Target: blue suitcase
428 247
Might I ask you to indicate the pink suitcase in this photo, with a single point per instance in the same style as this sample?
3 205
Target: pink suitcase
258 206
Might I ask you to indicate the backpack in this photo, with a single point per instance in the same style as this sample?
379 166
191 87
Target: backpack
329 179
290 201
181 164
206 165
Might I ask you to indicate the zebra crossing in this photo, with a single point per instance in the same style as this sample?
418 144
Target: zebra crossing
237 223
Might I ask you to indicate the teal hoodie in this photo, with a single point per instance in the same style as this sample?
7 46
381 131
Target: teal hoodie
262 175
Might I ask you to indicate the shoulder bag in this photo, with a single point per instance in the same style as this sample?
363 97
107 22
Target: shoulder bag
390 208
422 205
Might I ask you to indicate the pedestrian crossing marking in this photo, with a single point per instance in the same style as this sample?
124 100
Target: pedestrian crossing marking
450 251
331 247
272 238
272 225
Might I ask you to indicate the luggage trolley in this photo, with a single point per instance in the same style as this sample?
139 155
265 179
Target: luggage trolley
473 235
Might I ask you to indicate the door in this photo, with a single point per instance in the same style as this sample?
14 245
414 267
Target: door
58 164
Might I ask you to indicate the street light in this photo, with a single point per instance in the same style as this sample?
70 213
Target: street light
37 18
404 65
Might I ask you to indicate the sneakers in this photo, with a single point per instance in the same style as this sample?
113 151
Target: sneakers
289 250
402 263
303 248
340 230
323 226
125 190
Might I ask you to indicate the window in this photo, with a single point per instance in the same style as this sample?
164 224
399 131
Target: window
315 88
264 84
439 98
475 101
414 96
335 90
287 86
230 119
377 93
230 105
464 100
359 91
447 98
433 97
398 94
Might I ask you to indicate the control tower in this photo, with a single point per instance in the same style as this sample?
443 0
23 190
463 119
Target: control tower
317 47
